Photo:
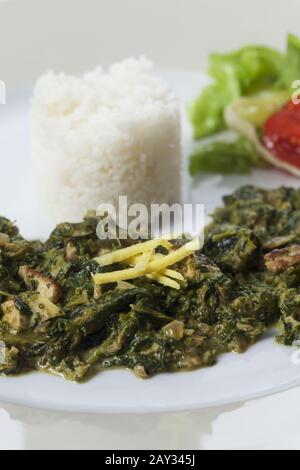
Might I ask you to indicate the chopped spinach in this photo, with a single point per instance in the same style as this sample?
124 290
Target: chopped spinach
245 279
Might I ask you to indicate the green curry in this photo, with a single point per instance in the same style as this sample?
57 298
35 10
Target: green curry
245 279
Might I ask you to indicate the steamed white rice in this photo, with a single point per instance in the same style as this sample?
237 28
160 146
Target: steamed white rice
103 136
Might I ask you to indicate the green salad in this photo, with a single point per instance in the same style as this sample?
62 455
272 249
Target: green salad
251 83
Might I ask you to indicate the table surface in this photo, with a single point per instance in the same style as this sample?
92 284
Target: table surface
270 423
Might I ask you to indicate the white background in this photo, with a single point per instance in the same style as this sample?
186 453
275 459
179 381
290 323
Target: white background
73 35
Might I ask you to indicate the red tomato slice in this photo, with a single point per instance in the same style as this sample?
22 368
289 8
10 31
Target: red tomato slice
281 134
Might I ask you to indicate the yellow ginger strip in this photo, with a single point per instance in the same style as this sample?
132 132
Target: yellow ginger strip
125 274
173 274
153 268
125 253
164 280
166 272
174 257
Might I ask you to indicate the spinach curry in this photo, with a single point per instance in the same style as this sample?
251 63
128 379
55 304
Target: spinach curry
54 317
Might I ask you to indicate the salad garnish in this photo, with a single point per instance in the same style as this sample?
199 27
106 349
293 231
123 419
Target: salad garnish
252 94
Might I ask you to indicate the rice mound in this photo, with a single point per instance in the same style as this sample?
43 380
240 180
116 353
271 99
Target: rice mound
102 136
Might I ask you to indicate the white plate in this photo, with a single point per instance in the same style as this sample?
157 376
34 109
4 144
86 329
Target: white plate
266 368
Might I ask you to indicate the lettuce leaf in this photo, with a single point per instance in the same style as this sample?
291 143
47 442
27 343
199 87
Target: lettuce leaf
206 112
222 157
291 68
244 72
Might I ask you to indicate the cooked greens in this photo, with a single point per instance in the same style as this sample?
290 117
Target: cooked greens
55 318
